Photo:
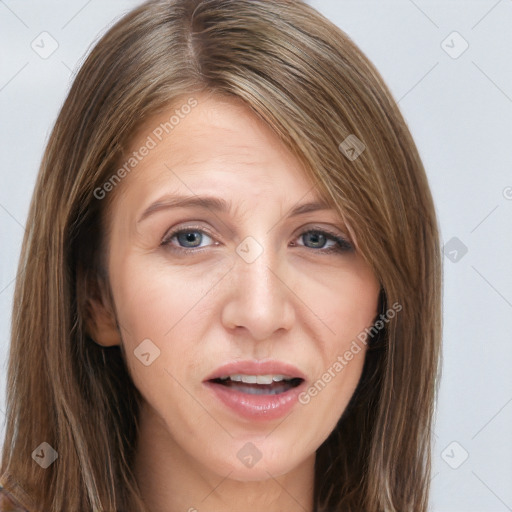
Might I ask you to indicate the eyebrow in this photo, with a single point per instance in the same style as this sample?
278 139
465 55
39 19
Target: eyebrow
217 204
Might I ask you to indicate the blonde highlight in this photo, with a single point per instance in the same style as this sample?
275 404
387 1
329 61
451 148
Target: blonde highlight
310 83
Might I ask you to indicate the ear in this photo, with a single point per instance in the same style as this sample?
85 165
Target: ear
100 315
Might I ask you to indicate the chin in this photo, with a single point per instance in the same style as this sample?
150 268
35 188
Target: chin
260 471
248 463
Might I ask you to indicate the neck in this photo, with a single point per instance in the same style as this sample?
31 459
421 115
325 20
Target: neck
171 480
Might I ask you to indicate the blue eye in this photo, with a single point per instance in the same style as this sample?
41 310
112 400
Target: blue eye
187 238
190 239
321 239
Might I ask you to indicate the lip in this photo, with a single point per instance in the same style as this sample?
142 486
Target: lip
256 407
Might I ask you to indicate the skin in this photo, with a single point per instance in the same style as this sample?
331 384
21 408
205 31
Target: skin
293 303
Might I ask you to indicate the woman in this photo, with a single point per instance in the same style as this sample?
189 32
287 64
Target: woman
288 363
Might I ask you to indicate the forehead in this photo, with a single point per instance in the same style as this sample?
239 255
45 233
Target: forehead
219 144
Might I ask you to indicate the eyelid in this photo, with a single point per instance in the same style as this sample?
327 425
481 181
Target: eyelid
344 242
304 229
337 233
308 227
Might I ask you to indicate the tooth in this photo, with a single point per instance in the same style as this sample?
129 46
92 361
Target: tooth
257 379
264 379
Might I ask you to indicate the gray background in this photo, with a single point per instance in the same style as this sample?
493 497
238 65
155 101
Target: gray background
459 109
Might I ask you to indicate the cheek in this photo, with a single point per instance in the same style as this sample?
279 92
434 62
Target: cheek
348 304
160 310
157 300
328 394
347 301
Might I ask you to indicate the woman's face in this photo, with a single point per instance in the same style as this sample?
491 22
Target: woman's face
219 269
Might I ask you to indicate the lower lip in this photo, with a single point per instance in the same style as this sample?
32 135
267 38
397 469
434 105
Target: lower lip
256 407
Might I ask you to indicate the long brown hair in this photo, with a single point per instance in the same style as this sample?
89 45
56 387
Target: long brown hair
309 82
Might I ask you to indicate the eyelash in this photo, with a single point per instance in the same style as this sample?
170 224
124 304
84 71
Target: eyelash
342 245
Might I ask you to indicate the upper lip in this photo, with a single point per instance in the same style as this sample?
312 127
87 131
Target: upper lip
254 367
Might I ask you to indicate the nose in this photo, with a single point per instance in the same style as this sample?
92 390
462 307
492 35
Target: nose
258 297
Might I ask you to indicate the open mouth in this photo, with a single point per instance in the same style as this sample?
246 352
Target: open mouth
259 384
257 390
